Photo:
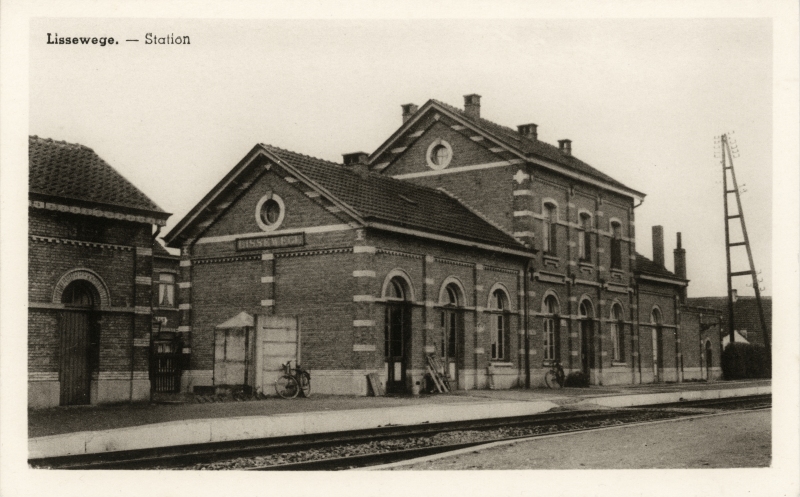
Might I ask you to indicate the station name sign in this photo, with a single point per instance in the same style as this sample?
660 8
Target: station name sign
271 242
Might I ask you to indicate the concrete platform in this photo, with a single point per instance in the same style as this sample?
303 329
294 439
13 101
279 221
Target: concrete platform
476 404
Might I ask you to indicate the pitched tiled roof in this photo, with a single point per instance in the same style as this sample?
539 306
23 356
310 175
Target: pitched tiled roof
76 172
536 148
745 313
400 203
646 266
160 251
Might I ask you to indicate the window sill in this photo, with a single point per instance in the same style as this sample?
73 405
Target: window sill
550 260
499 363
165 308
617 364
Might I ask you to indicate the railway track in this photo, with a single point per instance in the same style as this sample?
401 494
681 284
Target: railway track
353 449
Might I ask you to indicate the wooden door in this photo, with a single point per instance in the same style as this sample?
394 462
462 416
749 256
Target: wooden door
657 354
395 347
75 373
452 324
586 347
277 341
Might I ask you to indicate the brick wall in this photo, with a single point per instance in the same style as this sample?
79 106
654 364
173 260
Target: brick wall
219 292
301 211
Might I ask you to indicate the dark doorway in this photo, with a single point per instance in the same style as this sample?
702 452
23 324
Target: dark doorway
165 368
79 343
452 327
397 334
658 353
395 349
587 339
586 312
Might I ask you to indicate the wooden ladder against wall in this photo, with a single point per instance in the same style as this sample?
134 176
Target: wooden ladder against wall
438 373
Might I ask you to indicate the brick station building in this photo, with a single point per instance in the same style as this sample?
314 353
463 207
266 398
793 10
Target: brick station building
457 237
90 286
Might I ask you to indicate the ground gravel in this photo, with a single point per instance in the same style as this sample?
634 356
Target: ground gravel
447 438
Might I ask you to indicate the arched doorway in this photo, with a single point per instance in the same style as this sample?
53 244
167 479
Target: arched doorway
709 361
586 338
79 342
658 353
397 332
451 298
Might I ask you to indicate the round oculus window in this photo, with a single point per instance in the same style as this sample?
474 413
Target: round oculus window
439 154
269 212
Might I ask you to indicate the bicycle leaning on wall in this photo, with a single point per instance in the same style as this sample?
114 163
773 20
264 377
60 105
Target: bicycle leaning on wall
293 382
555 377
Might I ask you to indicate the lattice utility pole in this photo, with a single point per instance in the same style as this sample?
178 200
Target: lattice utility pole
726 153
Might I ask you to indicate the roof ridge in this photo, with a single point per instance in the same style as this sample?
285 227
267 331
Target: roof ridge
369 174
532 148
476 212
58 142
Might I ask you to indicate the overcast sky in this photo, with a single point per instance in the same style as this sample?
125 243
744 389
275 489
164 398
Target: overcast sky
640 99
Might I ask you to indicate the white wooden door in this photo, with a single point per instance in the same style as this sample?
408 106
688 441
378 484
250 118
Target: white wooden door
277 341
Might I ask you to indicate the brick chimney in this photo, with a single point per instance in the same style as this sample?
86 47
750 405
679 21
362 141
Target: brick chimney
472 105
408 111
565 146
357 162
658 245
680 266
528 131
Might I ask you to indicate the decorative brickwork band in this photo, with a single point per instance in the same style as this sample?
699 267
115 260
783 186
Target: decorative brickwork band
86 275
95 212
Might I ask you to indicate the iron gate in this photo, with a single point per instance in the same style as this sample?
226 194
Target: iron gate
165 366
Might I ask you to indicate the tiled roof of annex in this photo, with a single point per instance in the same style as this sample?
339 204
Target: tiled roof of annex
646 266
75 172
399 203
532 147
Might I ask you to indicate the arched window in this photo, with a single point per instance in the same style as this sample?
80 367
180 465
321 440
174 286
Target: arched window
585 237
396 320
451 295
79 293
655 316
395 290
451 298
618 332
550 218
586 310
551 327
499 305
616 245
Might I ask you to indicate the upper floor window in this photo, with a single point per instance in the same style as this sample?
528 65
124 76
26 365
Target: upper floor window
585 237
270 212
616 245
499 338
618 332
655 316
551 327
439 154
166 290
550 222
